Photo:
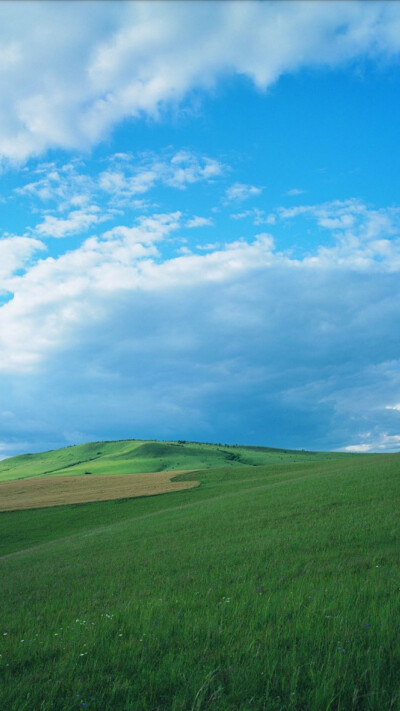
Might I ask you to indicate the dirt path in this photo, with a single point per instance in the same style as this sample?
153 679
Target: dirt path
103 529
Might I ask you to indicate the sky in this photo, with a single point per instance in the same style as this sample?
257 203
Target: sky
200 223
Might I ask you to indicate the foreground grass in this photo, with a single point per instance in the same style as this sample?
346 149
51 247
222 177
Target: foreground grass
266 588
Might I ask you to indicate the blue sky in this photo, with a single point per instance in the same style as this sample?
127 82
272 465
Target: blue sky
200 223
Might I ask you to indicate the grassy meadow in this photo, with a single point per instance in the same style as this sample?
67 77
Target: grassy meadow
273 585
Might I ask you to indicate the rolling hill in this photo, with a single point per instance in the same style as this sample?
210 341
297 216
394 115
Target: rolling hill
138 456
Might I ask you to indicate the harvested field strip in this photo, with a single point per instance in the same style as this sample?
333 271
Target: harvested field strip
59 491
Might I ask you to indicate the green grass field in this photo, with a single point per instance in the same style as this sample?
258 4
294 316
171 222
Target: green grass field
268 587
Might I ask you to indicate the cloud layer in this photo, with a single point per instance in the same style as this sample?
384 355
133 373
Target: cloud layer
71 72
241 342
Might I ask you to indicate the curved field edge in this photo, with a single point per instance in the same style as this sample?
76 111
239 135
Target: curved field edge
43 492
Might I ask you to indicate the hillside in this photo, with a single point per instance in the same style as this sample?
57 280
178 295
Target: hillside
138 456
270 587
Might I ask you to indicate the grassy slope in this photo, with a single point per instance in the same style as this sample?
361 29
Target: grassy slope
273 587
135 456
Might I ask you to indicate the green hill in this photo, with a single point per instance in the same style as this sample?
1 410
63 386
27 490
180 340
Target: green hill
137 456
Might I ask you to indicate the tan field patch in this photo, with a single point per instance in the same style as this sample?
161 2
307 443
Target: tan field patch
40 492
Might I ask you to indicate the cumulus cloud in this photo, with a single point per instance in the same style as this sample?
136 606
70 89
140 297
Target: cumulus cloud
259 217
384 443
134 177
239 192
76 222
59 293
149 229
358 448
70 73
16 253
72 185
162 343
60 186
199 222
75 198
366 238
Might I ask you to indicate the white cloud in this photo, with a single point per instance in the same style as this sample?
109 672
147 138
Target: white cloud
185 168
294 192
56 294
393 407
366 238
239 191
136 177
384 443
358 448
210 247
71 72
71 185
76 222
259 217
259 332
68 196
149 229
199 222
16 253
117 183
65 185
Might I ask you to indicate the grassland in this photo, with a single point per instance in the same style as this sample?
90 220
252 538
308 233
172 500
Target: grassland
269 587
